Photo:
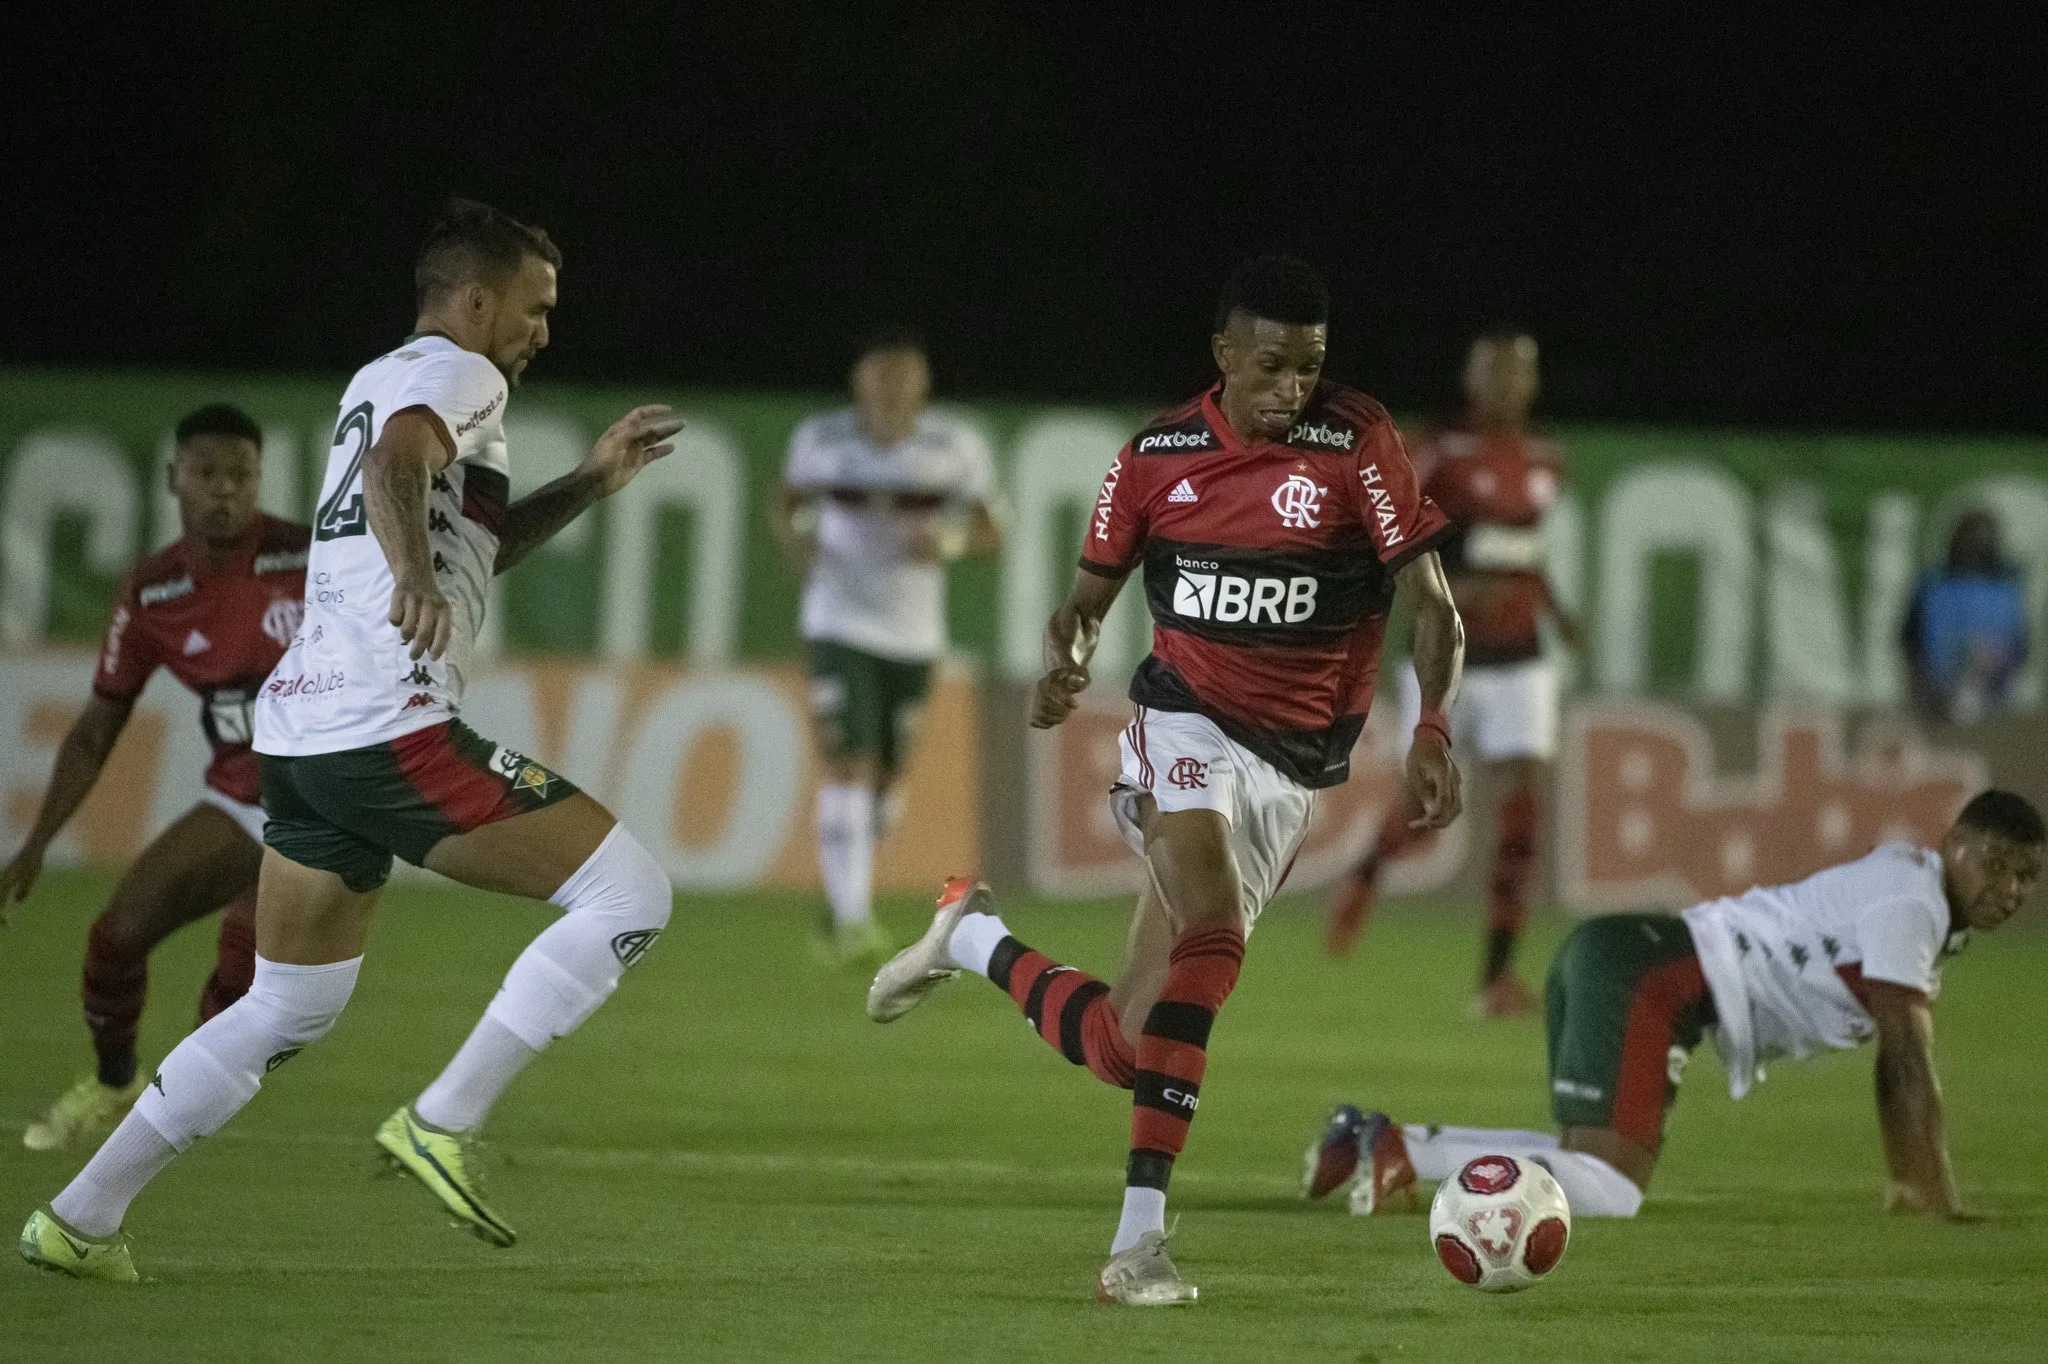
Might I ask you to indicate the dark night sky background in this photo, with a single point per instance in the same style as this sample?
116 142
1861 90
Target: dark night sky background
1838 225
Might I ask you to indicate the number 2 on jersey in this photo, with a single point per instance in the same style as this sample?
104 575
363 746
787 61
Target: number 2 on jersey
342 513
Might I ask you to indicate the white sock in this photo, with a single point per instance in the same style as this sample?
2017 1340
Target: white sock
465 1091
1440 1152
846 850
97 1200
1144 1210
618 902
206 1080
1592 1186
974 941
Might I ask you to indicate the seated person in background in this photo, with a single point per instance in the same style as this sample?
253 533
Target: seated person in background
1965 632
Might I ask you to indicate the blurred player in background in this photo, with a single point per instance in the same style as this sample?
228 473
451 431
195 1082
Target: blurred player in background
363 756
216 608
875 499
1495 481
1276 516
1849 954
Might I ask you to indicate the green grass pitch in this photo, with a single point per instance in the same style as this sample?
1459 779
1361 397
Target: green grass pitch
731 1163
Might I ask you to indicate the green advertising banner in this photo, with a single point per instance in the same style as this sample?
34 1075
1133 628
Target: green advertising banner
1713 566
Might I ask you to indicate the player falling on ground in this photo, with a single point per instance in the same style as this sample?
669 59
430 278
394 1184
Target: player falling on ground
363 756
1495 481
875 499
216 607
1848 954
1275 516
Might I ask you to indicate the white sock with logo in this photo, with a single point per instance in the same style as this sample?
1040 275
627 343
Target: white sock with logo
618 902
206 1080
1144 1210
974 941
846 850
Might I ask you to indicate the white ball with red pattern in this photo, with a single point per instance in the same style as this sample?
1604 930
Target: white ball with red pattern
1500 1223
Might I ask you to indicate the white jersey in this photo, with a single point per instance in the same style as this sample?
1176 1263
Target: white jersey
346 681
1786 964
862 590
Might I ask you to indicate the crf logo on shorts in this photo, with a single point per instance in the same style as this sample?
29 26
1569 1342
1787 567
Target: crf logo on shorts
1300 502
1188 775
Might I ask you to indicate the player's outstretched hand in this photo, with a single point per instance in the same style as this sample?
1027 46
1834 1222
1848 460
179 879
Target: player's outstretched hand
19 878
635 441
423 618
1056 695
1434 785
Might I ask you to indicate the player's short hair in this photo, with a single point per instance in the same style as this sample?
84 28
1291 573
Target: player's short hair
474 242
890 336
218 419
1277 288
2005 814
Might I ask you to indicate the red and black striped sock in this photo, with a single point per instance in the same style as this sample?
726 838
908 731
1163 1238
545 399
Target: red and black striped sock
114 987
1070 1009
1173 1050
1518 835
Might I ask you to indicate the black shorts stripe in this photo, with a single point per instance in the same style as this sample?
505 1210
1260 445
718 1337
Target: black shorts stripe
1070 1020
1179 1022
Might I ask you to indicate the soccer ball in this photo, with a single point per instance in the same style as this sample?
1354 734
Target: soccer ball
1500 1223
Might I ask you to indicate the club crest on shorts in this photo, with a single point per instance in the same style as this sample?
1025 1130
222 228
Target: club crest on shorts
630 947
1188 774
523 772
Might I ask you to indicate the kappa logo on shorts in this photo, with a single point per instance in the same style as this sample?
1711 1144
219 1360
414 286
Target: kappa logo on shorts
1188 775
630 947
416 700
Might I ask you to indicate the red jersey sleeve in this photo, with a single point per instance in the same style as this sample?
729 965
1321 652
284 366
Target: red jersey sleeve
1115 541
1402 521
127 657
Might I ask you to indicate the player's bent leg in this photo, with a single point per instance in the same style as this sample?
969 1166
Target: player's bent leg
185 873
306 920
234 956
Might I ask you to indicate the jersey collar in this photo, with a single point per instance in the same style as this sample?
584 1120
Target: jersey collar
1226 434
431 331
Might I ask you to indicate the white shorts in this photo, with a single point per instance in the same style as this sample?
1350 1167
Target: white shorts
1505 710
250 817
1187 763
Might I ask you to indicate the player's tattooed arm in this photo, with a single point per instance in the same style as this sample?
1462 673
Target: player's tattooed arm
79 760
1909 1104
635 441
1070 639
1434 786
413 448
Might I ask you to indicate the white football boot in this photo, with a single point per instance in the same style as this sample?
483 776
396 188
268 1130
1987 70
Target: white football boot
908 977
1144 1276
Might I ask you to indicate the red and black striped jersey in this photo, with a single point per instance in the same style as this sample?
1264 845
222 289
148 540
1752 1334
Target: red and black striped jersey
1495 488
219 633
1268 569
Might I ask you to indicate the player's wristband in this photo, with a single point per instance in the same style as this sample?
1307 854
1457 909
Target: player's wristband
1433 722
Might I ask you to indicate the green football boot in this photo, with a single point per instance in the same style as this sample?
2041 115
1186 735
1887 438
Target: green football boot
442 1161
47 1243
83 1114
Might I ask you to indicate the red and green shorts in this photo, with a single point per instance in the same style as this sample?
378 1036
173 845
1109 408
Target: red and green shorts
1625 1006
349 812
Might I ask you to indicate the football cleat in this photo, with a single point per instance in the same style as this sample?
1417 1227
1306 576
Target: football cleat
1386 1176
1333 1157
443 1161
1144 1276
912 974
47 1243
1504 997
83 1114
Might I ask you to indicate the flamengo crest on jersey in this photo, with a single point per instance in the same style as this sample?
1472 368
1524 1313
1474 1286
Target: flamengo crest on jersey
347 681
1269 589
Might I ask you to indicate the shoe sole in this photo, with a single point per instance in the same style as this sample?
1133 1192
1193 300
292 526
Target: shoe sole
471 1215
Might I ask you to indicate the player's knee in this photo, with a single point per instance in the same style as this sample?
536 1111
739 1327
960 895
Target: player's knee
122 932
297 1005
621 881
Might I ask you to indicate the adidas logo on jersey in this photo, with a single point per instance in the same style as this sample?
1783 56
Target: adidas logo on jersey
196 643
1183 491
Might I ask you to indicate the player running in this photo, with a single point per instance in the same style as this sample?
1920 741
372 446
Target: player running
875 499
216 608
363 755
1848 954
1495 481
1276 516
